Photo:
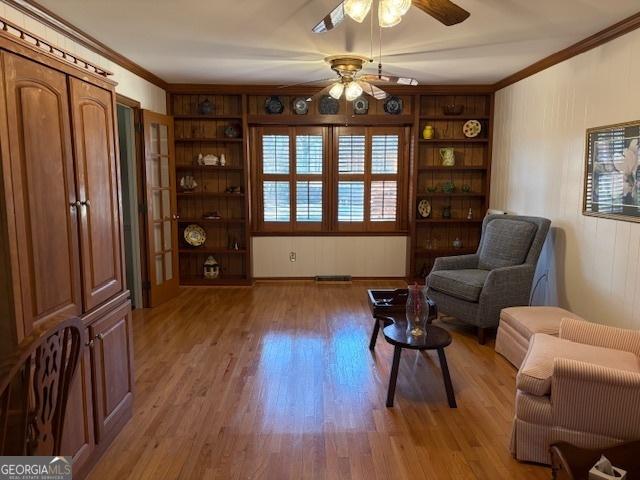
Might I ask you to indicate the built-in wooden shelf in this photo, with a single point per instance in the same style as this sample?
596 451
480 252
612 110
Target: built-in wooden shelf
205 133
210 194
460 118
340 119
454 194
205 168
229 116
448 220
209 140
457 168
206 250
212 221
453 140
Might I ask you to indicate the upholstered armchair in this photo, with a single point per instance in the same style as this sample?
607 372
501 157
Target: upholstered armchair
582 387
474 288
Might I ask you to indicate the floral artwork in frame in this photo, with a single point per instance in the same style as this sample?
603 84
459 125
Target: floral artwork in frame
612 172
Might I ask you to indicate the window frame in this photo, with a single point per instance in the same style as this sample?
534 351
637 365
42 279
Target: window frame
330 178
292 177
367 226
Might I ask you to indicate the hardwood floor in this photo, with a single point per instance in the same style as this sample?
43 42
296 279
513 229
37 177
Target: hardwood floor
277 382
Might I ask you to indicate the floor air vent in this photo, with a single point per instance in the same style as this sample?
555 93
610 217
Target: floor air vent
332 279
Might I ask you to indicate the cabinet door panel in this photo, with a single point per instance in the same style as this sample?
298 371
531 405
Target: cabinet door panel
77 435
112 370
98 192
40 162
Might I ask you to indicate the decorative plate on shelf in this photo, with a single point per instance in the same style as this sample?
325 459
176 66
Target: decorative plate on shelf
329 105
274 106
393 105
424 208
360 106
300 106
195 235
232 131
472 128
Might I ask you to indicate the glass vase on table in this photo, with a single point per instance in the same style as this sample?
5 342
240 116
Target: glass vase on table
417 311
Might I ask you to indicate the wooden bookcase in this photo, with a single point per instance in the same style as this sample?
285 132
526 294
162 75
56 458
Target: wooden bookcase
196 134
434 236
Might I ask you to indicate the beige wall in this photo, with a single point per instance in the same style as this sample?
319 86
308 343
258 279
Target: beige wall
355 256
150 96
538 162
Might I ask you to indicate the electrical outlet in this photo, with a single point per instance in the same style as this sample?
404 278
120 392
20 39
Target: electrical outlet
292 256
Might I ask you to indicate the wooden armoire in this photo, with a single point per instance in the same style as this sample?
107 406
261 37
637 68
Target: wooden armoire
61 236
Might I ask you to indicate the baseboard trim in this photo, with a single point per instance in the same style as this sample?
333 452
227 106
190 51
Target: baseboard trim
313 279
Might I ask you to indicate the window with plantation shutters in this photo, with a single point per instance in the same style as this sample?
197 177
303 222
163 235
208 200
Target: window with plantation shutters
384 200
368 178
275 154
329 179
351 154
276 201
292 178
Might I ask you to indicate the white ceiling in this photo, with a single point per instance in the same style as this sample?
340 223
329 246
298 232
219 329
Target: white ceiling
270 41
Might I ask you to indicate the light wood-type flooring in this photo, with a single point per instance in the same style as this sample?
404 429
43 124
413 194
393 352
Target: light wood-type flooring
277 382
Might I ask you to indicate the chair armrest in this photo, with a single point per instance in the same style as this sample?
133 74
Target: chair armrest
598 335
460 262
595 399
510 283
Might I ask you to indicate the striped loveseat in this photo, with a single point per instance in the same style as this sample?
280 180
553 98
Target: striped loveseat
581 387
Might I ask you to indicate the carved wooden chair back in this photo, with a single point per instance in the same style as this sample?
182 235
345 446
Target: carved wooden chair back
34 387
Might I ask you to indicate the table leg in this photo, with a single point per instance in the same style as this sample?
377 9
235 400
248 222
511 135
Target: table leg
394 375
374 334
447 378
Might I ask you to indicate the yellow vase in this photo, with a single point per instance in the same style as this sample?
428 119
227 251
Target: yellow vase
427 132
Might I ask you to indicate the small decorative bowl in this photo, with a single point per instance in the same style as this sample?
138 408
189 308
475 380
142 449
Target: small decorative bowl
448 187
432 189
453 109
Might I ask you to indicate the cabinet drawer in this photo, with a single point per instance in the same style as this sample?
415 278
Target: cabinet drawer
112 371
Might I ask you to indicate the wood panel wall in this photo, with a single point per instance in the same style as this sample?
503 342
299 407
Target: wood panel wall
593 264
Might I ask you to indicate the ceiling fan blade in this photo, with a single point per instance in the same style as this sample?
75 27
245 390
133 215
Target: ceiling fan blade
389 79
331 21
443 10
372 90
311 82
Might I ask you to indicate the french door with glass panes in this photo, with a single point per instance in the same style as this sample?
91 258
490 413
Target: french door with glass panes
162 229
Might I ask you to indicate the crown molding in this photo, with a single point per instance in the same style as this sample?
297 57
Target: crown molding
610 33
259 89
47 17
50 19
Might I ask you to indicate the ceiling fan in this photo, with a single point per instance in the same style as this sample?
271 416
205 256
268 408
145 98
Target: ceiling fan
390 12
352 83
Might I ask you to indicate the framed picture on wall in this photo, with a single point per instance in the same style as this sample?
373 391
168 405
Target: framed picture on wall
612 172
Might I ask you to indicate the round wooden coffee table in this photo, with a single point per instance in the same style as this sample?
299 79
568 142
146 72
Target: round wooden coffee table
436 338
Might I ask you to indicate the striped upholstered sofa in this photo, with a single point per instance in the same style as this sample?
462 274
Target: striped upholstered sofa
581 387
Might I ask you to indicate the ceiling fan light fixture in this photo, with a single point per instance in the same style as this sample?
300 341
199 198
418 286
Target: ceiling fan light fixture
336 90
357 9
388 14
353 91
400 7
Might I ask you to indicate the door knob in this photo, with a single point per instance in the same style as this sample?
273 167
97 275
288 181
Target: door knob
86 203
75 204
175 217
100 336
